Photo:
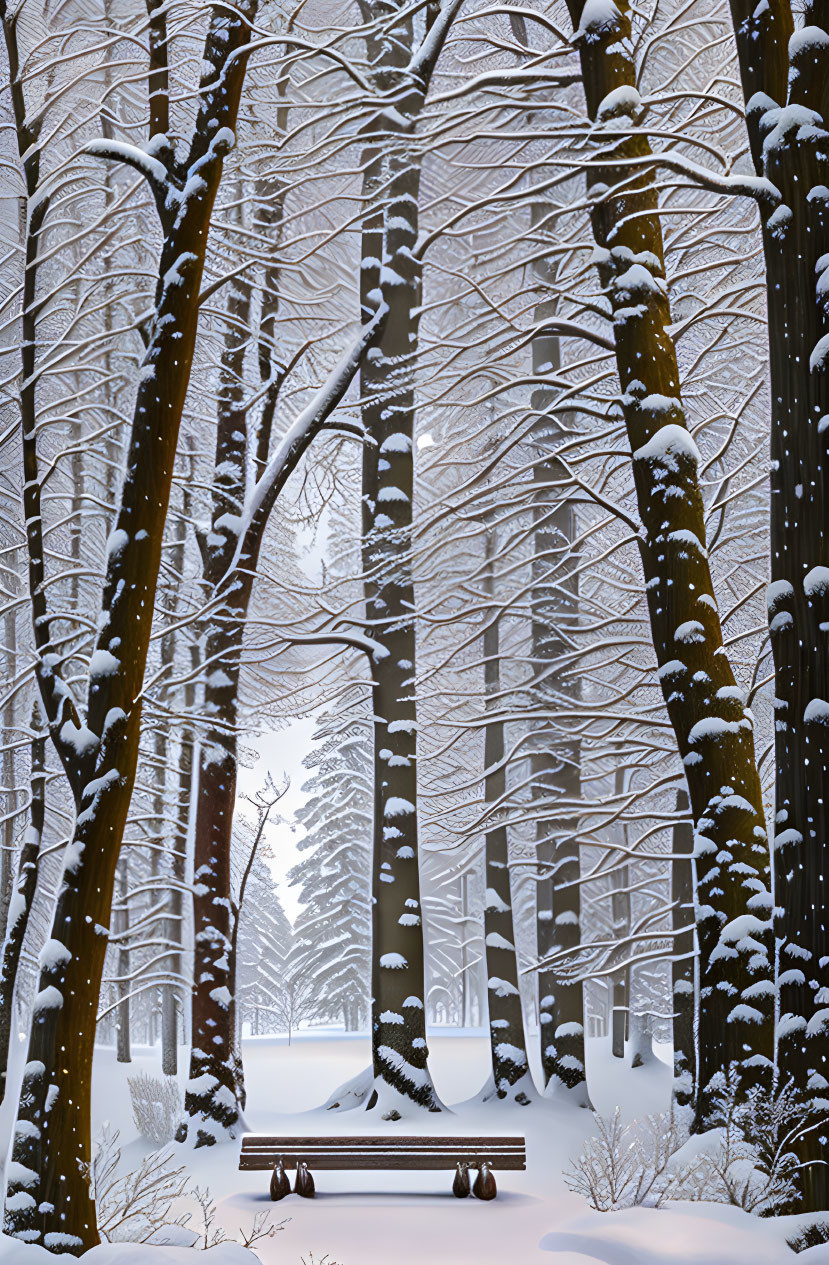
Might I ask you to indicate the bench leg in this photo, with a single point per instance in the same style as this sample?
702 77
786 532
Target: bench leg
280 1186
460 1186
484 1187
304 1184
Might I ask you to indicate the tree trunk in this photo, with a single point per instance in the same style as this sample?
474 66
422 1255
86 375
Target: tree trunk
620 912
175 932
171 991
682 968
641 1039
708 712
785 84
620 1022
556 755
122 925
49 1199
212 1099
390 273
510 1066
24 892
7 766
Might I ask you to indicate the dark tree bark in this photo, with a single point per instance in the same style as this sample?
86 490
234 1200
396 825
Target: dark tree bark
24 891
620 986
708 712
49 1199
785 78
682 968
510 1065
620 913
391 278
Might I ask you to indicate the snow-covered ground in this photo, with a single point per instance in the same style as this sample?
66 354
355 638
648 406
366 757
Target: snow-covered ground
412 1218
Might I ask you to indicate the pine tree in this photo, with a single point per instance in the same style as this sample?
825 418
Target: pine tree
333 928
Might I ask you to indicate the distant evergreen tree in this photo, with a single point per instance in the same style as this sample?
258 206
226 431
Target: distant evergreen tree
265 943
333 930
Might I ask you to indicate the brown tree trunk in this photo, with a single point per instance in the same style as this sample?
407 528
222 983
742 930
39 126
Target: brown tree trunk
24 892
49 1199
708 712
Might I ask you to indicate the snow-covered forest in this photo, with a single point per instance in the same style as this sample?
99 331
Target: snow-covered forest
414 602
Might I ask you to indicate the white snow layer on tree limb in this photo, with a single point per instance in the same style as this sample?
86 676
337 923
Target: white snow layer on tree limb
152 168
320 407
423 61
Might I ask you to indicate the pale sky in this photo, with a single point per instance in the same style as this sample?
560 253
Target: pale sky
280 753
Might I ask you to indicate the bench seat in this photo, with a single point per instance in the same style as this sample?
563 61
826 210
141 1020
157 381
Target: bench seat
387 1151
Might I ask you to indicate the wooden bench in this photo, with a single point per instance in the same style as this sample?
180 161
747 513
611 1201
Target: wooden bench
389 1151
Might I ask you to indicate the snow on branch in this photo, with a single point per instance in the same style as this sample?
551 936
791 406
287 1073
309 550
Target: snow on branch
297 438
506 79
151 168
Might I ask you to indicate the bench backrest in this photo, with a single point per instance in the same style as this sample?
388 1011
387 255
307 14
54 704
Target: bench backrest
260 1151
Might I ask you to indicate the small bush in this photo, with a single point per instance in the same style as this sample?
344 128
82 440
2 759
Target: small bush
156 1106
627 1165
747 1160
133 1206
810 1236
145 1204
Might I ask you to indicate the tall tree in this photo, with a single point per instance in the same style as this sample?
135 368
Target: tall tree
708 711
241 507
784 73
333 927
510 1065
402 68
49 1199
23 896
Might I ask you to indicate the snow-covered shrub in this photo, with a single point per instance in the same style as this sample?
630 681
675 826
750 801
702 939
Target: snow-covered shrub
156 1106
148 1204
626 1164
748 1160
212 1235
133 1207
755 1165
810 1236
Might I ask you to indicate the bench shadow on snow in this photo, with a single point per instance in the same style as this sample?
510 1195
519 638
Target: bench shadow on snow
287 1206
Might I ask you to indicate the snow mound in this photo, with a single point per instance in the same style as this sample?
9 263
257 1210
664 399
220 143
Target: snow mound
680 1234
144 1254
353 1093
13 1252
